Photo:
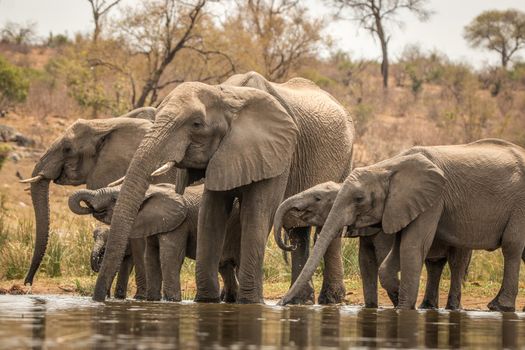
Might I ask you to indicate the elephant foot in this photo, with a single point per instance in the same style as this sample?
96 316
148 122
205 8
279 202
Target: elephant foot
139 297
249 301
495 305
394 298
228 296
206 299
371 305
332 295
172 299
453 304
428 304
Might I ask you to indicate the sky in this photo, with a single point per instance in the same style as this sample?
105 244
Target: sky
443 32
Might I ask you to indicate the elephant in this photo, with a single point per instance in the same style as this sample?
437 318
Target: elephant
312 206
249 139
100 237
468 196
90 152
168 222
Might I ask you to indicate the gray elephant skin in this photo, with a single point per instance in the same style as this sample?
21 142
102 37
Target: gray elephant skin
168 222
251 139
311 207
467 196
90 152
100 237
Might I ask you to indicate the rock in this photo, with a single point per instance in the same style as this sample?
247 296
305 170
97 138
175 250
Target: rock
10 134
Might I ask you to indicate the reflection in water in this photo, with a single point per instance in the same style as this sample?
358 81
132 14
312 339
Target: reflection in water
28 322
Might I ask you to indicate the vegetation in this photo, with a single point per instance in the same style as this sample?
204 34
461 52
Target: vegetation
134 59
499 31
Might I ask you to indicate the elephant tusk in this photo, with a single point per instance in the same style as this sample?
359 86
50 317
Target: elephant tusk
163 169
116 182
32 180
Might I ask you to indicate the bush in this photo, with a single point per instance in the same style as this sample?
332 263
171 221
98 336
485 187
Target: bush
14 84
4 152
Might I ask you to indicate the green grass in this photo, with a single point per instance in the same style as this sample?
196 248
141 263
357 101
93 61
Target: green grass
68 253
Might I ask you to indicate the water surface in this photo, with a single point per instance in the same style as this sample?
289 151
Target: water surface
57 322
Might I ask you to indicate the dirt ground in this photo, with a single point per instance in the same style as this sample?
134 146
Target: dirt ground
354 296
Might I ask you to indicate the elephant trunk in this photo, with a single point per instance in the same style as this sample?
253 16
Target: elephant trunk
131 196
77 198
284 208
331 229
48 168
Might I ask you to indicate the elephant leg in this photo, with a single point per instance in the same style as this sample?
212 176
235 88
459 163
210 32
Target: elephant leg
333 290
258 206
138 247
229 279
153 270
300 236
416 240
434 271
512 248
213 215
121 287
368 267
172 250
389 269
458 260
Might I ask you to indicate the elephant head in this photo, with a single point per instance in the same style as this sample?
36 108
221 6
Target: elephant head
307 208
162 210
233 135
91 152
100 237
391 193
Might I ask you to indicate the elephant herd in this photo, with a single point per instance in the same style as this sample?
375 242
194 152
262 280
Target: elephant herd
210 171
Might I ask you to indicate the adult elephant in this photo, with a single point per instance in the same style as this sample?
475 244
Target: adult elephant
90 152
466 196
251 139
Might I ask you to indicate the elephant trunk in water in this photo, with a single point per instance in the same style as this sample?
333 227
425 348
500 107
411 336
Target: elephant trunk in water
335 221
47 169
130 198
284 208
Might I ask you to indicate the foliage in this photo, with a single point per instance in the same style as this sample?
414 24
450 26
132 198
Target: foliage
499 31
14 84
375 17
4 152
19 34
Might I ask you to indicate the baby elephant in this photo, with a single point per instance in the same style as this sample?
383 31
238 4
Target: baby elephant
168 222
100 237
311 207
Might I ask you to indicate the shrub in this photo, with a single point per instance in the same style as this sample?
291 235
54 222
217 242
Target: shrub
14 84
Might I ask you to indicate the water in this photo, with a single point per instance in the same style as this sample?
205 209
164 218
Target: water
56 322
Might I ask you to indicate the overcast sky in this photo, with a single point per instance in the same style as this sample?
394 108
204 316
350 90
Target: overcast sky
442 32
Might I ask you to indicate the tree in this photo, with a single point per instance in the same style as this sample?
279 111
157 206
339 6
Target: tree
100 8
500 31
272 36
375 16
159 31
20 34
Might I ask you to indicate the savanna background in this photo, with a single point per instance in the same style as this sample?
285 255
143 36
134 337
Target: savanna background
135 52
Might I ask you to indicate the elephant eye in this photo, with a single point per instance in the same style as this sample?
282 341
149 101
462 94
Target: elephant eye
359 198
197 125
317 199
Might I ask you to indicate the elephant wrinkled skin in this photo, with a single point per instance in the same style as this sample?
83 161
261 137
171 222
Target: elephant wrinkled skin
251 139
168 223
311 207
466 196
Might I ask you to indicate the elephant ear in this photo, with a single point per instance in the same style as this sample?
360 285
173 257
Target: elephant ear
415 185
161 211
259 144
